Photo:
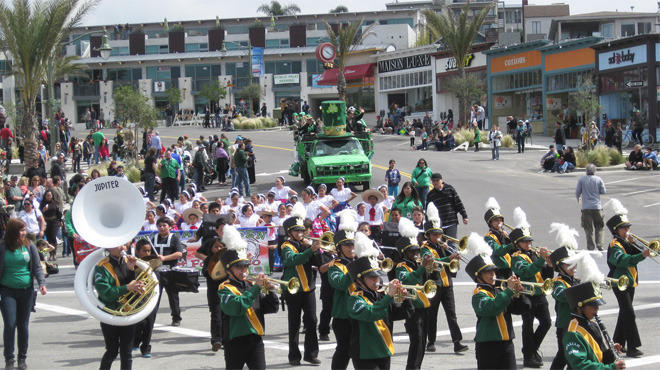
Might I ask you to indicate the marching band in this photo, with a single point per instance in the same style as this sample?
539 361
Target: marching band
511 277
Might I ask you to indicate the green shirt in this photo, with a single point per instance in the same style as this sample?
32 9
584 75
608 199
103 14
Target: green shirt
526 270
406 206
240 158
501 256
374 334
581 350
169 168
492 323
477 135
17 269
409 276
562 308
340 280
98 138
294 265
243 319
421 176
107 285
624 263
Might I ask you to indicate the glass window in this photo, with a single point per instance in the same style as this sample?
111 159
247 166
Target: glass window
608 30
643 28
536 27
152 49
627 30
270 67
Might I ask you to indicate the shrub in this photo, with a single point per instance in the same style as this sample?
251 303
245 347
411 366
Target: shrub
133 174
615 157
459 138
599 156
581 159
507 141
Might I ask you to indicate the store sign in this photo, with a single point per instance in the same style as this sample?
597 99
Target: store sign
293 78
398 64
516 61
622 57
449 64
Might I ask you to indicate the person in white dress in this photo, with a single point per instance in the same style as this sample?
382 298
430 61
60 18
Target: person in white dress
196 195
192 219
281 191
361 207
326 199
183 203
248 218
388 200
342 194
373 212
271 202
313 207
233 205
150 221
241 200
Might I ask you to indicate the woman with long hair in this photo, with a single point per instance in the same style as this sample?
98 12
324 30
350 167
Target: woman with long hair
19 266
407 200
53 216
421 179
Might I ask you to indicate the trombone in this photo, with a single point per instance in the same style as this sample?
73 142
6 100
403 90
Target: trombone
452 265
411 291
292 285
621 283
529 288
460 249
653 245
387 264
328 237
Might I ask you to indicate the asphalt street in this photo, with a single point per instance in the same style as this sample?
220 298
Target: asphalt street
63 335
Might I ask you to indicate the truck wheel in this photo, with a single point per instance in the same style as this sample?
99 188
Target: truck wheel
305 176
366 185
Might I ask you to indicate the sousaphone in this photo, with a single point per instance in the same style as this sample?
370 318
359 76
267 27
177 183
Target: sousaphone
108 212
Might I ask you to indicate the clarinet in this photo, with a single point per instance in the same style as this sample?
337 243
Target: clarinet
608 339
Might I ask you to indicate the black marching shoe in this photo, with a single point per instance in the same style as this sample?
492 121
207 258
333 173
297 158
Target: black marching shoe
324 338
313 361
533 362
430 347
459 347
21 364
9 365
634 352
294 362
176 323
216 346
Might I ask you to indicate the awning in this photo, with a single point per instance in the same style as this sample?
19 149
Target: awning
356 72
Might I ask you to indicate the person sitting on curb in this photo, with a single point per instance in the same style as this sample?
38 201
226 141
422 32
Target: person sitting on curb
635 158
650 159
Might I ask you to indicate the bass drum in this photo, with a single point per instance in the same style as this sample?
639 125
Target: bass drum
84 288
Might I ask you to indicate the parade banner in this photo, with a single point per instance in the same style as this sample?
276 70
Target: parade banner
256 237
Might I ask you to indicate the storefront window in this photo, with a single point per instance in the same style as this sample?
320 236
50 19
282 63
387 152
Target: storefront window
613 81
567 81
518 80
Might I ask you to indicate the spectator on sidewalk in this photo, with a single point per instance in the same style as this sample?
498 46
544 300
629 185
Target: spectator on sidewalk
521 130
635 158
650 159
589 188
421 179
495 139
548 159
560 136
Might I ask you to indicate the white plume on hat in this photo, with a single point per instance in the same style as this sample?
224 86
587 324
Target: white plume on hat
566 236
232 239
491 203
298 211
614 207
433 215
348 220
520 219
364 246
408 229
586 269
477 246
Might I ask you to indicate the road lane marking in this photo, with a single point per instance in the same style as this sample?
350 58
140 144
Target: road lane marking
639 192
651 205
630 179
647 360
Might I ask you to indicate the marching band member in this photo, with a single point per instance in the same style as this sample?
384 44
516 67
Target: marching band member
498 238
622 258
114 276
494 338
434 247
534 268
371 345
566 238
297 259
168 248
340 280
584 342
144 328
411 272
244 305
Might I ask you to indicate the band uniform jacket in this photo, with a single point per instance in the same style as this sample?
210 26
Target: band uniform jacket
110 278
584 347
442 278
622 258
341 282
493 319
529 267
297 261
412 273
563 310
501 249
369 313
245 306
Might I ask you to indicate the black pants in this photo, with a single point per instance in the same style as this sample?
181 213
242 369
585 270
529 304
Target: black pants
521 144
214 308
626 332
327 293
221 169
302 303
559 361
342 355
247 350
170 189
372 364
173 300
376 233
495 355
444 295
118 339
532 339
416 329
144 329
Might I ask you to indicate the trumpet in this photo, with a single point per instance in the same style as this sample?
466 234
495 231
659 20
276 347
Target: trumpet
411 291
621 283
292 285
387 264
529 288
452 265
508 226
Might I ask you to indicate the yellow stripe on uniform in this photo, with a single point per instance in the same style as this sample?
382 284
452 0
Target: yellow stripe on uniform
539 278
251 314
344 269
507 256
302 276
558 278
420 294
105 263
383 329
501 322
631 269
575 326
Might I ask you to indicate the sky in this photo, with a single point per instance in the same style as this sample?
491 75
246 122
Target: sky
138 11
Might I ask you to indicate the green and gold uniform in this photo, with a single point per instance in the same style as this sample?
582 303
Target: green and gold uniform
584 347
563 311
340 280
370 311
494 337
502 249
412 273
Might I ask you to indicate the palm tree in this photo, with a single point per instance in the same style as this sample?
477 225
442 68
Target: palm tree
344 40
30 32
276 9
457 33
339 9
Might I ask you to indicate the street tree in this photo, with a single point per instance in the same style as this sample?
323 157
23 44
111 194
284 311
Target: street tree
466 88
251 92
586 101
347 37
456 34
213 91
339 9
276 9
173 97
30 33
133 107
